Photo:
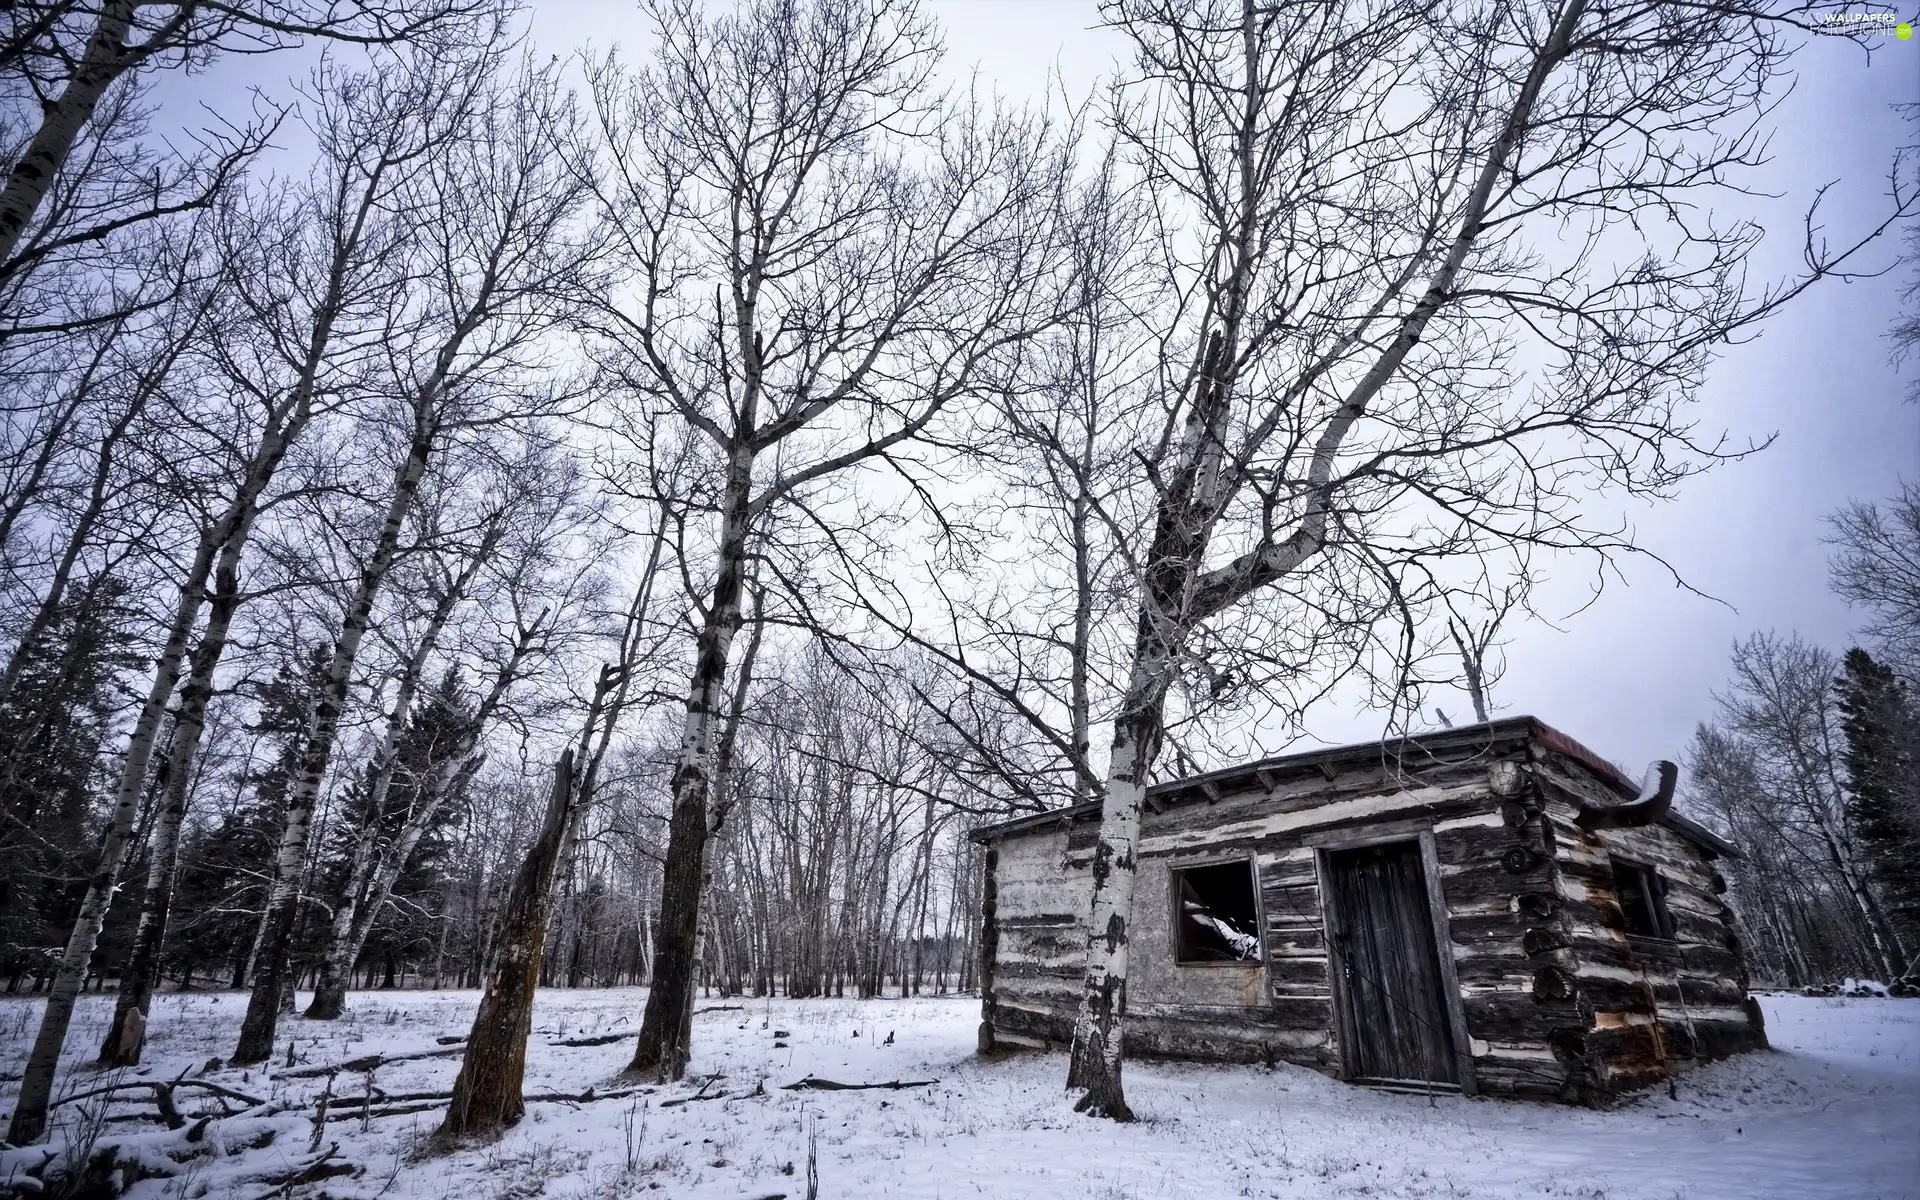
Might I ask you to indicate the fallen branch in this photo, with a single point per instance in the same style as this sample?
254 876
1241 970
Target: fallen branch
402 1103
162 1093
398 1110
369 1063
605 1039
379 1097
586 1097
327 1166
720 1008
813 1084
699 1095
222 1090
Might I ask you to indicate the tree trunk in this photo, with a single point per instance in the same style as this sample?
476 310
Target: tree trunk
670 1000
322 729
1876 934
1097 1039
486 1093
353 911
105 58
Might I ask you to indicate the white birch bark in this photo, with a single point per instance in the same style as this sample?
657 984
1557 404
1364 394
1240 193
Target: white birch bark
1178 596
106 56
317 742
347 930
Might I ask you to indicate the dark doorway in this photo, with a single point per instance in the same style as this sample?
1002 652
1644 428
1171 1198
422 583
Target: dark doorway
1397 1028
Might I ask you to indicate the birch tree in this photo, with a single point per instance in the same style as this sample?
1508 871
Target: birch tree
309 271
826 254
1782 704
69 58
1876 566
1411 318
504 514
496 254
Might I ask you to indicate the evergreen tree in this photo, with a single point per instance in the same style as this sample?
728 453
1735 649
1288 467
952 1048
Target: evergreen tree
226 865
51 730
1882 751
436 729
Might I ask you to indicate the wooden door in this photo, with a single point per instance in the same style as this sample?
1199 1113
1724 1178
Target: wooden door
1397 1027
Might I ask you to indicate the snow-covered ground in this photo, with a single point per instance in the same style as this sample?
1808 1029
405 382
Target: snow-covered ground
1833 1111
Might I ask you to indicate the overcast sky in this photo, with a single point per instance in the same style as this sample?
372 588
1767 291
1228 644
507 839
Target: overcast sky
1634 673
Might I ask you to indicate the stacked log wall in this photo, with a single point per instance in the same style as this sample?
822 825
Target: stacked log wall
1043 890
1654 1006
1282 1009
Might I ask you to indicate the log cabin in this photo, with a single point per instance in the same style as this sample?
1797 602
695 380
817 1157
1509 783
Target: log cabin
1491 909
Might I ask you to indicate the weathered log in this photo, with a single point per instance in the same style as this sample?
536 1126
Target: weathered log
605 1039
1518 860
1545 940
1539 905
369 1063
396 1110
815 1084
328 1166
163 1096
402 1103
1551 983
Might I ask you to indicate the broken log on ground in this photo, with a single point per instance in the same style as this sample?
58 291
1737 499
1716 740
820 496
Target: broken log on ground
369 1063
815 1084
168 1111
399 1104
214 1151
605 1039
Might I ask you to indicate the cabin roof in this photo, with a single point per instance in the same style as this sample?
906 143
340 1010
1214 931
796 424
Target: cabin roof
1330 760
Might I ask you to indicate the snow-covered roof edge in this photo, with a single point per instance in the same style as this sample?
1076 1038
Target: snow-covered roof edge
1329 759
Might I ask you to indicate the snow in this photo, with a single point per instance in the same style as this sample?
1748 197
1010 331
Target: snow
1834 1111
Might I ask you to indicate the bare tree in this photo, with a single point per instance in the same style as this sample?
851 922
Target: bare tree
68 59
1876 566
1780 713
486 1092
1476 639
828 254
465 347
1404 291
515 511
310 273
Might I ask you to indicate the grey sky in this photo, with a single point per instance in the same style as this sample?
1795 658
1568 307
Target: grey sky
1632 674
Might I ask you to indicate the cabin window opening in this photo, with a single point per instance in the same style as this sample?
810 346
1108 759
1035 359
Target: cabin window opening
1642 896
1216 917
